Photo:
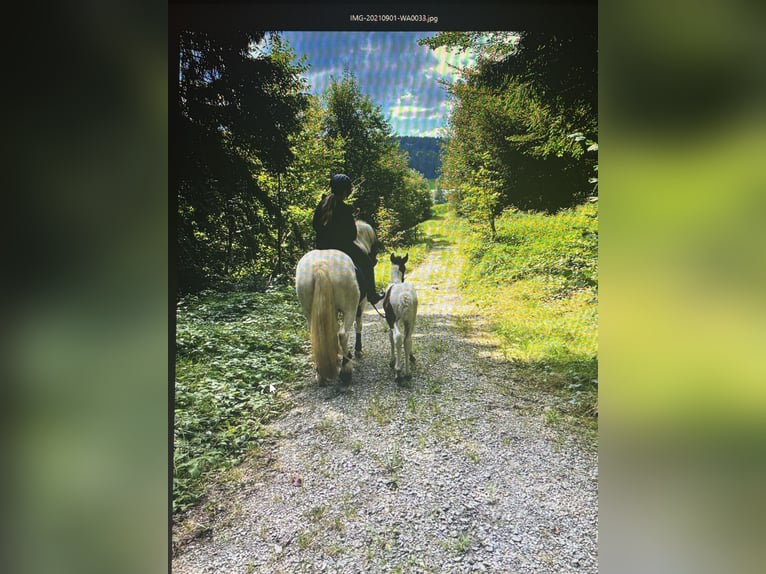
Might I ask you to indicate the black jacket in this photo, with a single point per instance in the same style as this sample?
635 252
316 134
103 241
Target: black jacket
340 231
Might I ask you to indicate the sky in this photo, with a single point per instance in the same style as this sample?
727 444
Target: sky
392 70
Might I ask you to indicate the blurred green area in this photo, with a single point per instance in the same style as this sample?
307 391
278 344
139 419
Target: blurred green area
86 328
683 276
682 282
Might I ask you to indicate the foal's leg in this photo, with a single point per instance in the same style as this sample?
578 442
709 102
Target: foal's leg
399 341
414 319
407 353
392 353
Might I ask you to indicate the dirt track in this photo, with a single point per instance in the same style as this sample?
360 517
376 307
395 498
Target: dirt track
456 473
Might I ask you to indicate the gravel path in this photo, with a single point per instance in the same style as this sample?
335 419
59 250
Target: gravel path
457 473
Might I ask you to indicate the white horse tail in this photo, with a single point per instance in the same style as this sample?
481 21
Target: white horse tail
324 326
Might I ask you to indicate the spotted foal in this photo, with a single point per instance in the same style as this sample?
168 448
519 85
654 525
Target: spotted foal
401 307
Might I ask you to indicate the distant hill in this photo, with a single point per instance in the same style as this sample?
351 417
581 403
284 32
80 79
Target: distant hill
424 154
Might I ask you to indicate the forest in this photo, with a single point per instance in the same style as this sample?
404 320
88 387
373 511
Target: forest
254 149
256 153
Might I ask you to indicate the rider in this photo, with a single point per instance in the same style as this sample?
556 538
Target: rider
336 229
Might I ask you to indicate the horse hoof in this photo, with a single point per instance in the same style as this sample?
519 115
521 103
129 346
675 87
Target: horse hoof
345 378
412 358
408 377
358 354
398 379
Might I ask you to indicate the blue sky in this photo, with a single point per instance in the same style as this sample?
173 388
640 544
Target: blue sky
391 68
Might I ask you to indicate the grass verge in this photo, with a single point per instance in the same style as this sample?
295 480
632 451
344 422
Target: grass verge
236 354
537 281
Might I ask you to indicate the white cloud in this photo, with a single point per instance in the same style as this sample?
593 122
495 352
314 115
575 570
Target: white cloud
408 112
369 51
368 48
448 63
407 107
321 79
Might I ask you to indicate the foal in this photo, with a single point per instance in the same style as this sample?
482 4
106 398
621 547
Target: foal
401 307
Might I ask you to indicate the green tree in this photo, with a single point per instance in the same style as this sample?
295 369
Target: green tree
367 138
298 190
388 194
240 101
483 195
520 102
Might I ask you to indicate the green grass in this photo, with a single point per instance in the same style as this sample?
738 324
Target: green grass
544 268
550 417
538 283
462 543
393 461
235 353
357 446
334 550
381 410
331 428
458 544
316 513
427 240
472 453
305 538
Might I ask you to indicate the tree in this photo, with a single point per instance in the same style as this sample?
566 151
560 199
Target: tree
520 102
483 194
298 190
389 195
240 101
367 138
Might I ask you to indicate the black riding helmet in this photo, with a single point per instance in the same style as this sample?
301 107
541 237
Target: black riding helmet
340 184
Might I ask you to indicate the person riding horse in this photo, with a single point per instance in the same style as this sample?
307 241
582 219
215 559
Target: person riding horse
335 229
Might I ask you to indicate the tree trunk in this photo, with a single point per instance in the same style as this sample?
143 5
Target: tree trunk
229 242
280 226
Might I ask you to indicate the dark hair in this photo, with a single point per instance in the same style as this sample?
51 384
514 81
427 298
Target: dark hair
340 185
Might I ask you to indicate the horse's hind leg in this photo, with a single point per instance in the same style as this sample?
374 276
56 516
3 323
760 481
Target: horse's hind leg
358 343
346 364
345 371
